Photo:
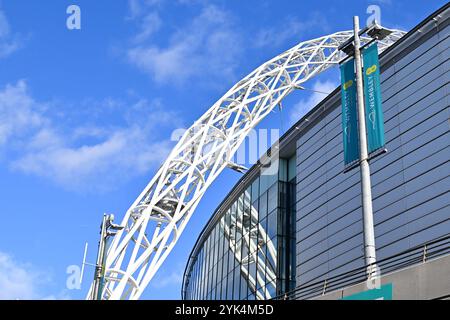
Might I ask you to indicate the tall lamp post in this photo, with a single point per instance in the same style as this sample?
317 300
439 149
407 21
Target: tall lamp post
353 49
366 188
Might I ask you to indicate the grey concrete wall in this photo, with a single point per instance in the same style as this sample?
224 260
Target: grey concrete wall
429 280
410 182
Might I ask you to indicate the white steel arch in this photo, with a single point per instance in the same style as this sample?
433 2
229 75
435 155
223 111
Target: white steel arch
154 222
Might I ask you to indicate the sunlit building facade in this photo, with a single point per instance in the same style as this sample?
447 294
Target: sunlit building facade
275 233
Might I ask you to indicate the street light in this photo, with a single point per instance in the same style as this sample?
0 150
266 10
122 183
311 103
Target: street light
375 31
352 47
378 32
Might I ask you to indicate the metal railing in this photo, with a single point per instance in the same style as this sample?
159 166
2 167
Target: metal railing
413 256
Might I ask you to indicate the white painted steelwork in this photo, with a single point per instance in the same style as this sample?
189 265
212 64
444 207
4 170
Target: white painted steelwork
154 222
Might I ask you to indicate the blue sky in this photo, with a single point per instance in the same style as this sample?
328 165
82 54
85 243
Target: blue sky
86 115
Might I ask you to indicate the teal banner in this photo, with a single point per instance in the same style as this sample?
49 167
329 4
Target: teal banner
372 94
382 293
349 116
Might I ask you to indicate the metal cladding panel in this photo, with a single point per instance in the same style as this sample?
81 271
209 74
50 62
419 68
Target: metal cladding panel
409 183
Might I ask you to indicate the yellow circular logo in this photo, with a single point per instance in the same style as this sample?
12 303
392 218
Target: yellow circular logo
371 70
348 84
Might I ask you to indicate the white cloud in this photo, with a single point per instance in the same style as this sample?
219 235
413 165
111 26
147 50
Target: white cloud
149 25
207 46
82 156
19 280
8 42
146 16
123 153
291 27
137 7
18 112
320 90
4 25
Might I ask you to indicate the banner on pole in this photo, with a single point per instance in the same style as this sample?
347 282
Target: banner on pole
372 94
349 116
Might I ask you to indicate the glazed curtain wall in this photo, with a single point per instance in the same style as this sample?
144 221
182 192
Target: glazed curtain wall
250 252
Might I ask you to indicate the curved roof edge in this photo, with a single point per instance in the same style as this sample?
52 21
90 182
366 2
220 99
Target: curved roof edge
403 46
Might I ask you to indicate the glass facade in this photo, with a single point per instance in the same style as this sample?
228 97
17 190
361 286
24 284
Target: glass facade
303 225
249 252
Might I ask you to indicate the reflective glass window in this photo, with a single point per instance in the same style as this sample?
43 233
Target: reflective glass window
240 209
263 206
223 294
262 270
233 221
252 268
271 287
238 250
244 287
292 168
219 269
231 259
246 220
254 213
236 283
271 259
230 286
255 189
283 170
272 201
272 223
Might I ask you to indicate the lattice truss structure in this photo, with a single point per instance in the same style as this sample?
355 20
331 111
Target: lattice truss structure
156 219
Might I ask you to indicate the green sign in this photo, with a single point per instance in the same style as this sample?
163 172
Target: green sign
349 116
372 95
382 293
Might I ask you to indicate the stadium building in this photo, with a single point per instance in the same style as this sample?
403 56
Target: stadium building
296 233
